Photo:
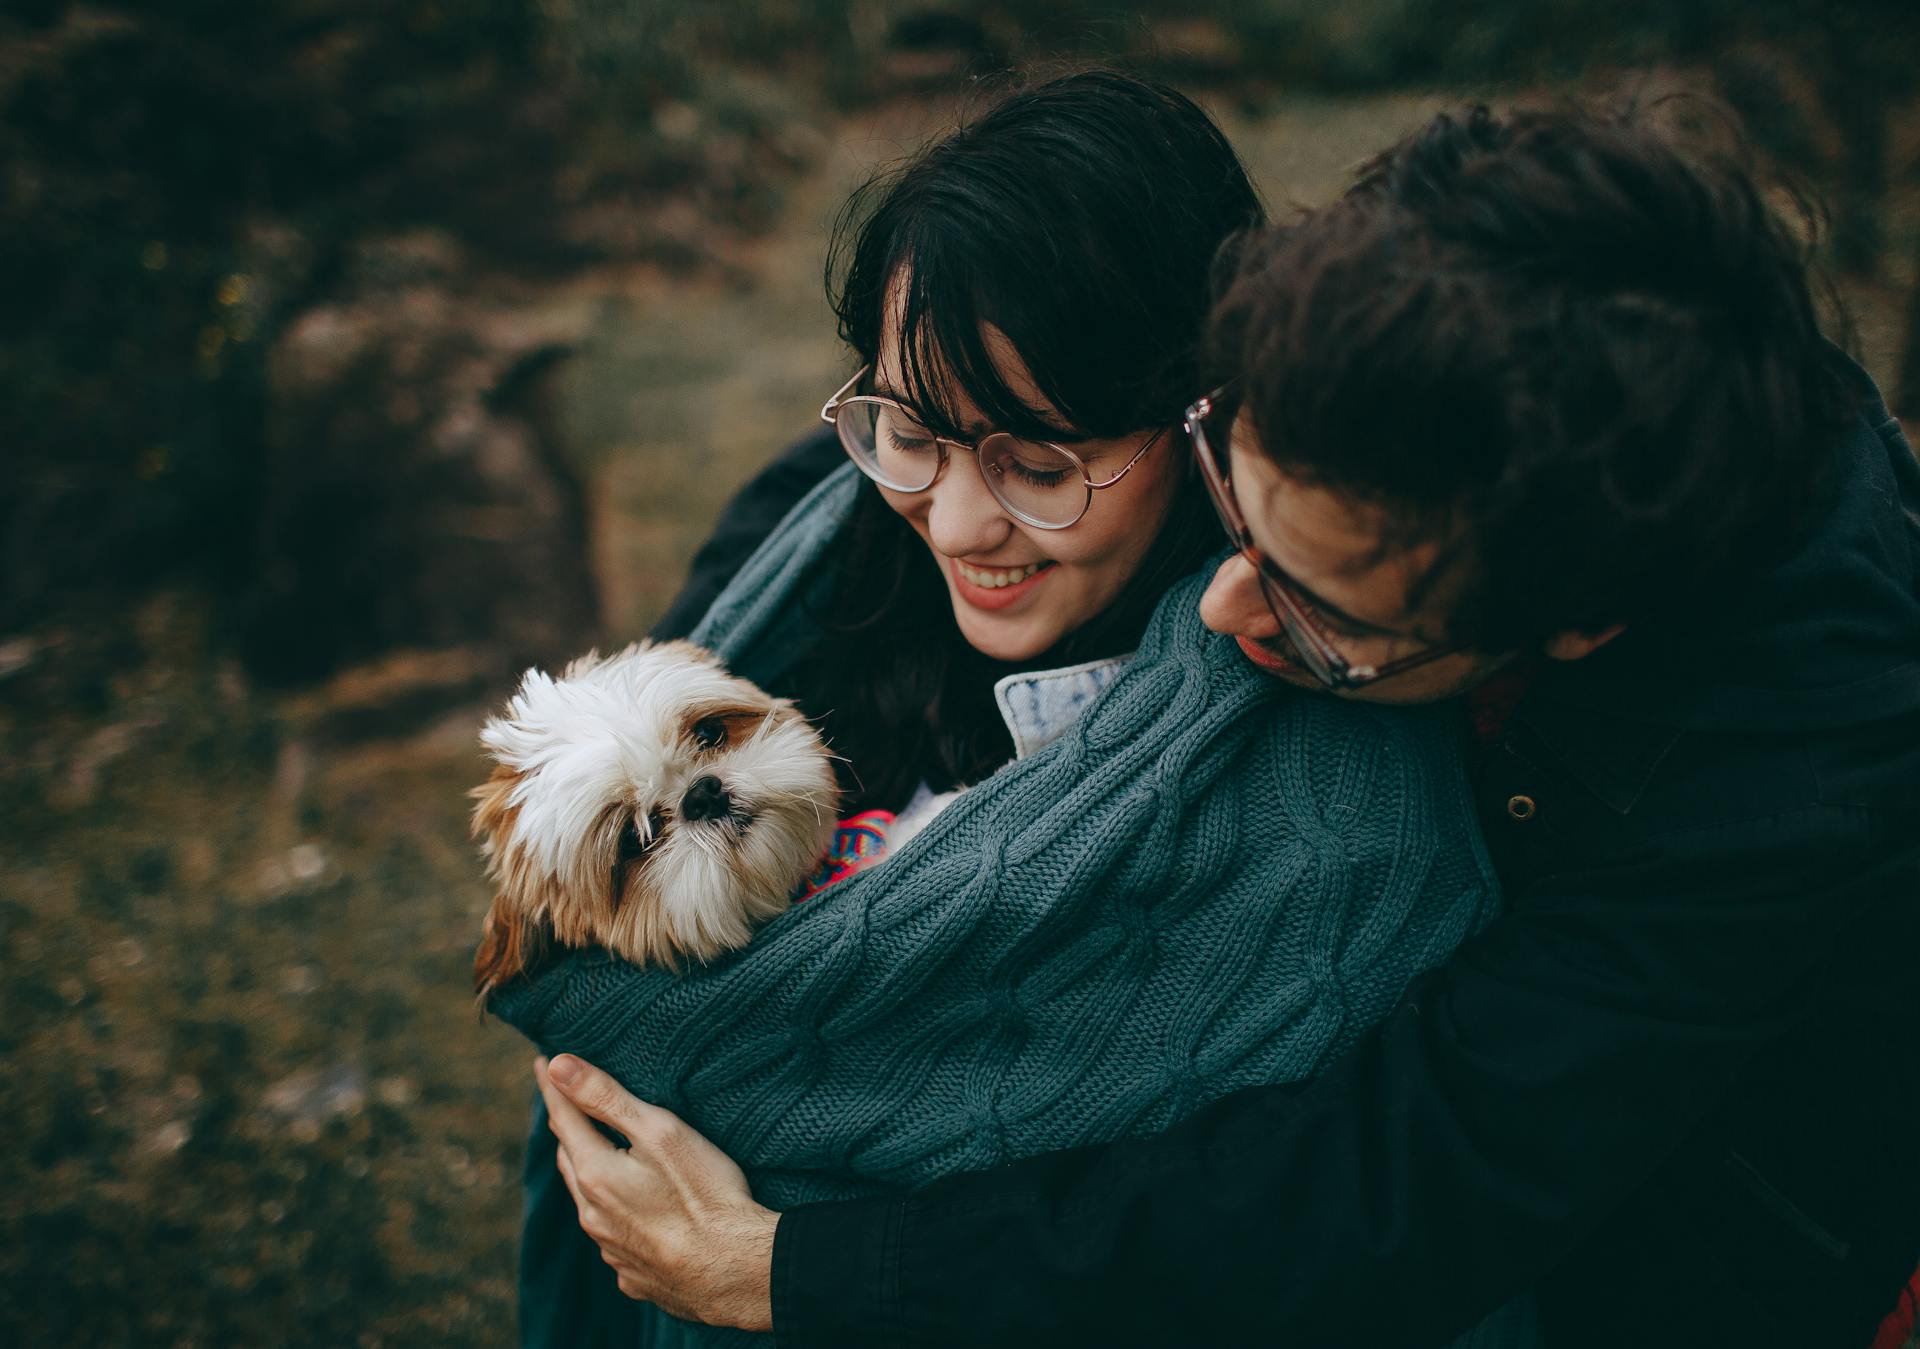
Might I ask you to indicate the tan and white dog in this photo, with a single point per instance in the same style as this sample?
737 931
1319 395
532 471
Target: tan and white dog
648 802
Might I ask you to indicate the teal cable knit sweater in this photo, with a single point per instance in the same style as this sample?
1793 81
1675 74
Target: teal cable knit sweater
1212 881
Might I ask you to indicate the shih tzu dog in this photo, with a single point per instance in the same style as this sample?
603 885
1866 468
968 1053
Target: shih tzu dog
648 802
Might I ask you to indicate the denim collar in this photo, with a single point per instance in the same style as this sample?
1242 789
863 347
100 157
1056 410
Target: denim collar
1040 705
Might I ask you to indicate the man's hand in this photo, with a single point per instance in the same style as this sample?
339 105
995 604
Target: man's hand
672 1213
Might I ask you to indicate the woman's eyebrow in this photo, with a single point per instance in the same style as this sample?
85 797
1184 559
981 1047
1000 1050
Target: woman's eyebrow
979 428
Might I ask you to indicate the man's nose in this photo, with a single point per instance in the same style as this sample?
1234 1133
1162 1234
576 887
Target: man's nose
963 519
1234 604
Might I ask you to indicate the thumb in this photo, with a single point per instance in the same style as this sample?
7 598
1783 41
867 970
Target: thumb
595 1093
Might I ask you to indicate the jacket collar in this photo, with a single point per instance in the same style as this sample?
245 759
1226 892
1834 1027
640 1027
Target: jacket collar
1828 638
1612 756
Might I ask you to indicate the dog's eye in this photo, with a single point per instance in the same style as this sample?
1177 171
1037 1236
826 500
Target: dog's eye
710 733
636 838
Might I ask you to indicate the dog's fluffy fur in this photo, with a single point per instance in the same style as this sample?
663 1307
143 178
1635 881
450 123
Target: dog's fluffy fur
648 802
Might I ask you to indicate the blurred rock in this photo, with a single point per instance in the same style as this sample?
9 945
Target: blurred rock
16 655
306 862
81 783
168 1139
415 493
313 1096
396 1091
394 695
303 867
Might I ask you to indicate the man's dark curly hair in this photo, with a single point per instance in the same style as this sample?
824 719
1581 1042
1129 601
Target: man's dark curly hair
1578 353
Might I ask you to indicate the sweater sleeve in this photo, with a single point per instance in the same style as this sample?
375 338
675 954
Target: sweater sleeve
1448 1159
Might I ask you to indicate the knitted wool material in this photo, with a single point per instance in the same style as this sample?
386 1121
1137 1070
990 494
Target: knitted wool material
1211 881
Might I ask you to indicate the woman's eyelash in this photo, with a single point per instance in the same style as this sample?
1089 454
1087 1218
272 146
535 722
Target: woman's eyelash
1046 478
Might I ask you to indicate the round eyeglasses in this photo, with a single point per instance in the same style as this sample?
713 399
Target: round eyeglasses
1293 610
1037 482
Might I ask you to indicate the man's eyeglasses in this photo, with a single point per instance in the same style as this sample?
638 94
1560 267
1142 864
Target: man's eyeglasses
1036 481
1294 611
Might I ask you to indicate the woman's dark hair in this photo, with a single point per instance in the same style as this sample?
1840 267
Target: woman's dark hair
1080 216
1573 347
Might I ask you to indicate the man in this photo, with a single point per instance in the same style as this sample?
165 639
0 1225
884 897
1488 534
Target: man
1538 416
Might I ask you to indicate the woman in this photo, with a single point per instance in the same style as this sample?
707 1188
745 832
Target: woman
1011 278
1170 893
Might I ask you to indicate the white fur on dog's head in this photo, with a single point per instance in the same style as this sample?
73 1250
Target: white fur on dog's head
593 824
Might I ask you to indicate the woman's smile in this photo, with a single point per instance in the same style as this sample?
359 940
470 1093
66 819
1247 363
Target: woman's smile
1014 611
996 587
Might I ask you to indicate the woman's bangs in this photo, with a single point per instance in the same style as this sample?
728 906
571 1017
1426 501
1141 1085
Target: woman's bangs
943 351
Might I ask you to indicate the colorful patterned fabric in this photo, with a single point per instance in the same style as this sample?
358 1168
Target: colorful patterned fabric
859 840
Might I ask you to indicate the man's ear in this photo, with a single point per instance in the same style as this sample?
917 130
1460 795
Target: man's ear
1576 645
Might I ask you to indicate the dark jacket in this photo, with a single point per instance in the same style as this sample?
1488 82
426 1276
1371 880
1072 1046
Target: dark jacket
1675 1089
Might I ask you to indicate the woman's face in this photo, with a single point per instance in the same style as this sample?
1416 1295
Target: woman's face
1017 590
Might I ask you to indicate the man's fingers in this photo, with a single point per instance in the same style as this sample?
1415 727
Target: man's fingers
645 1126
566 1173
574 1130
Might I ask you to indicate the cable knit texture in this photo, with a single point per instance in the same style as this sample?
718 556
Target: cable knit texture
1210 882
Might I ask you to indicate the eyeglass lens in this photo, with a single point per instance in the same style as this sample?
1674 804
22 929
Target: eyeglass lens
1029 478
1301 637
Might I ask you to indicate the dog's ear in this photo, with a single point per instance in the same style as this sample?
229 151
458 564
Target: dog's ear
494 809
513 940
516 930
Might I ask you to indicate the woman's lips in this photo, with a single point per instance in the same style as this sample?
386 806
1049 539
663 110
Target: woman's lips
994 597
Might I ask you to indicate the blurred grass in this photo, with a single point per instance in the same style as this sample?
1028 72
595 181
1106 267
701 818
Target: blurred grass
252 1103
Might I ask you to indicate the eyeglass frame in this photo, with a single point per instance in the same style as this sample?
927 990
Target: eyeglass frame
1293 611
830 414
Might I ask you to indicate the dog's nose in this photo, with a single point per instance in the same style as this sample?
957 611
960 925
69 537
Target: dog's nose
706 799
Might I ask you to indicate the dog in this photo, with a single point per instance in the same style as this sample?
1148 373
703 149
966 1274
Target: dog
648 802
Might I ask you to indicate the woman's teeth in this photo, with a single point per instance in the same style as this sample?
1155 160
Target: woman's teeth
988 579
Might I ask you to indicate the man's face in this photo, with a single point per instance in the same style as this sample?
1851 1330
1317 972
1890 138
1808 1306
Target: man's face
1329 544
